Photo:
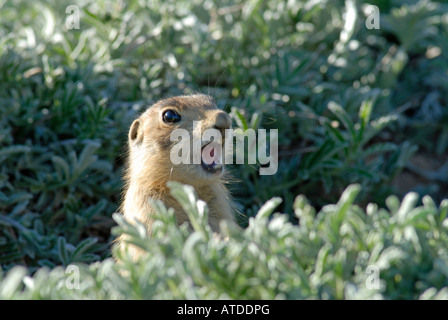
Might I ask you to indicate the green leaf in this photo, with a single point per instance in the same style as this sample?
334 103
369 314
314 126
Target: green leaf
344 118
10 285
62 250
406 207
62 168
443 210
196 210
364 114
347 199
87 157
239 118
268 208
14 149
82 248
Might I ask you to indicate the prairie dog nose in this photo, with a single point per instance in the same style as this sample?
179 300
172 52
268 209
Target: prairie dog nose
222 121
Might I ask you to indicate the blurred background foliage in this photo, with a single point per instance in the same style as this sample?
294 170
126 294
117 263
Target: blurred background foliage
352 104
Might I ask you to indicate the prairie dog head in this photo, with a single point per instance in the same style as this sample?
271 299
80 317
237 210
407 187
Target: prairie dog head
181 139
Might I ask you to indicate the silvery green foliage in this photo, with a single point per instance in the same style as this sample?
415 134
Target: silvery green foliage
326 257
352 105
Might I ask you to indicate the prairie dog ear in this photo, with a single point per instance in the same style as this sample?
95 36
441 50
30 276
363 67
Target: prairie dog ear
135 134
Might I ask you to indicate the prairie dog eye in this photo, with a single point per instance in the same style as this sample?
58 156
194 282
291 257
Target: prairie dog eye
171 116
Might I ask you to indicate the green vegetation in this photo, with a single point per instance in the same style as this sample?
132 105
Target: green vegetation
326 257
362 118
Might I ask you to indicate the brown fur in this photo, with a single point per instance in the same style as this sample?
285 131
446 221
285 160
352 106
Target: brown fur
149 166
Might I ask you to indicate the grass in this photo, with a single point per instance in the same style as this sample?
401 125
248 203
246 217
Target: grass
361 114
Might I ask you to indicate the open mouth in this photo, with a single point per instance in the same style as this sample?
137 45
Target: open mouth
211 157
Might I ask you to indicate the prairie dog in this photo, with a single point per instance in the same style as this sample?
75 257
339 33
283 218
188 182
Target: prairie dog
149 165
